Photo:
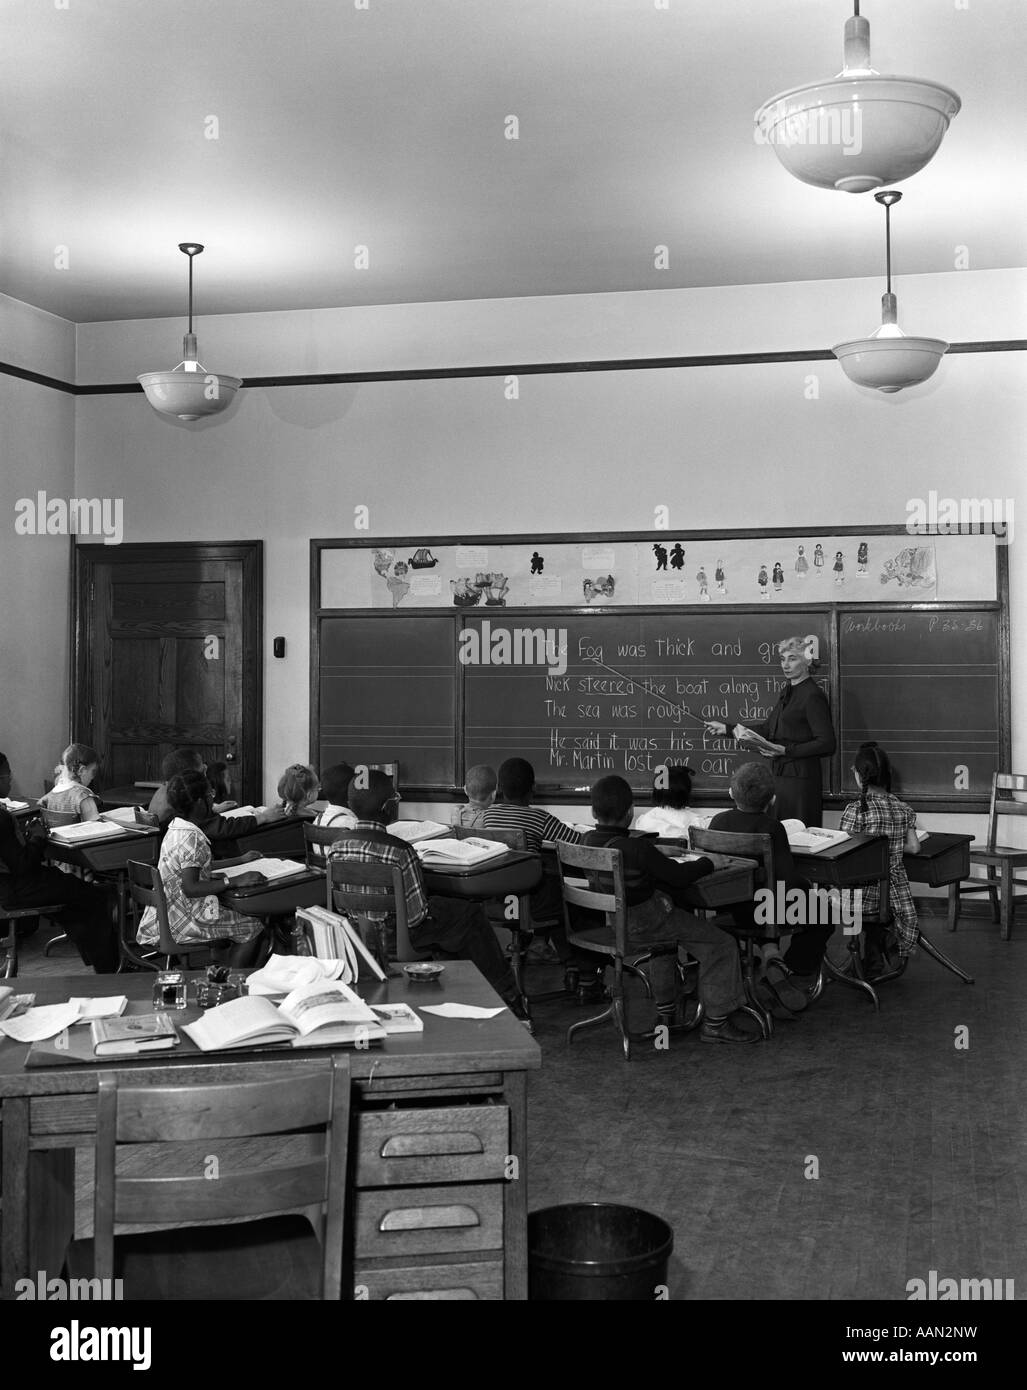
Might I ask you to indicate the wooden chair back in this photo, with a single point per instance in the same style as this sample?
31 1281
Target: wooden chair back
53 818
316 839
310 1096
743 845
1005 786
370 891
146 889
596 865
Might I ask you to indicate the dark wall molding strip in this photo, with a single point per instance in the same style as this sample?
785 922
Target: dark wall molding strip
629 364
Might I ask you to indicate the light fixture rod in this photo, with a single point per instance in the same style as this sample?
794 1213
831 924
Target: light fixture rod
190 249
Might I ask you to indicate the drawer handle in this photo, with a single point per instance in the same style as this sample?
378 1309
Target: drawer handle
422 1145
416 1295
428 1218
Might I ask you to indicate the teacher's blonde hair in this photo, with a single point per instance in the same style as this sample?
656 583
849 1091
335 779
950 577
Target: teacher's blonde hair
797 644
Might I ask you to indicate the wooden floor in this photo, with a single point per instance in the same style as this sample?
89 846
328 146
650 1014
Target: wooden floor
920 1147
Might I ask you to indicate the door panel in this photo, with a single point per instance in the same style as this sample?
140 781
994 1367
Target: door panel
168 655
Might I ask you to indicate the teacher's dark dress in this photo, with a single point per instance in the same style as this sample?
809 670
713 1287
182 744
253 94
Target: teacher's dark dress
801 721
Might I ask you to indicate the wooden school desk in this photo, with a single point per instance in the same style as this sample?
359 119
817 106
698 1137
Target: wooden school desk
439 1117
108 858
278 839
943 861
859 859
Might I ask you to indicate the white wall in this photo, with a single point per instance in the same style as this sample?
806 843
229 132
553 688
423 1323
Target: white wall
765 445
36 453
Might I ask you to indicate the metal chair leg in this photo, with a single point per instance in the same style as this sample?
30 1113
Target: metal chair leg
942 958
854 981
54 941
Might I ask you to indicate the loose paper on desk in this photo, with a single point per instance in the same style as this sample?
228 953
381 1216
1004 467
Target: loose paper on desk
113 1006
460 1010
45 1022
283 974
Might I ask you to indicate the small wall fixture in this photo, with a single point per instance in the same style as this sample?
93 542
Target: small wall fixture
888 360
859 130
189 391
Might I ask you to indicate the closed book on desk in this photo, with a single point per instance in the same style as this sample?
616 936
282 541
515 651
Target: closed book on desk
398 1018
459 852
125 1037
325 1014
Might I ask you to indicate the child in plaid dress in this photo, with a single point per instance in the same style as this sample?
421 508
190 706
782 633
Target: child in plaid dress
877 812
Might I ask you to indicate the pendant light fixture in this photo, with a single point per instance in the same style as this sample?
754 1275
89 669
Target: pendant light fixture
189 391
860 130
888 360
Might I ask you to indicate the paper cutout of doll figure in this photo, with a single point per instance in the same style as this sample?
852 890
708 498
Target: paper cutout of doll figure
660 551
677 557
862 557
397 583
762 581
818 559
496 589
718 575
704 587
839 568
801 563
537 563
779 577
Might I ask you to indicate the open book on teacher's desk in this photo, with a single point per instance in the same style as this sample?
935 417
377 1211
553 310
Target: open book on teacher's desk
324 1014
470 851
811 838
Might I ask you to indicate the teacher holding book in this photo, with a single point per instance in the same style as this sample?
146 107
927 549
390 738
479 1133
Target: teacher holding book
797 734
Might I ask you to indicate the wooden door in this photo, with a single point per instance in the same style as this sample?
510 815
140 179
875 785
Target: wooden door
167 655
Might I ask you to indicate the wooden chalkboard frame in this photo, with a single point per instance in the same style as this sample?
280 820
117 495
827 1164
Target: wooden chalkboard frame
836 796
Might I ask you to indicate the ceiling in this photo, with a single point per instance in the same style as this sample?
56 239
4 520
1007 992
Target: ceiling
384 126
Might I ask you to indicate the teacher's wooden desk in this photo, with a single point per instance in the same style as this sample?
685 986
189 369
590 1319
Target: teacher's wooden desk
438 1166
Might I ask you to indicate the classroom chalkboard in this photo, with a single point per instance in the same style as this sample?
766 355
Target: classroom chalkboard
926 686
635 693
387 693
635 687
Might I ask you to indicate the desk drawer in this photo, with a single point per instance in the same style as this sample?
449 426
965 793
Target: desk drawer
466 1143
452 1283
428 1220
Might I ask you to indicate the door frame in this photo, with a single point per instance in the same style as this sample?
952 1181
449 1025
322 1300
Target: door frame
251 555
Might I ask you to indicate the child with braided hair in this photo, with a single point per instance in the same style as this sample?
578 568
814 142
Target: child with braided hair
878 812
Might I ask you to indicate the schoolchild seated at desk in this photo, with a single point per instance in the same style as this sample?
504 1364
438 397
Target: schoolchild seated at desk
191 881
877 812
650 882
220 778
452 928
26 882
71 794
335 782
513 811
752 791
671 816
480 789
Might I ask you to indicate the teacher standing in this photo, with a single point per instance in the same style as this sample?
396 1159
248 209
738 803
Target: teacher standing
797 734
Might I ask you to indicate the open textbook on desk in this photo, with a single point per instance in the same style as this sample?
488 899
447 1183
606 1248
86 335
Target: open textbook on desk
811 838
463 852
324 1014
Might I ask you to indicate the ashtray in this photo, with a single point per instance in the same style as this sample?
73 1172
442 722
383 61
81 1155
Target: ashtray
423 970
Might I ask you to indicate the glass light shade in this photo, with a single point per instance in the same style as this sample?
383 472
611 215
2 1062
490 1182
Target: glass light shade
856 133
889 361
188 391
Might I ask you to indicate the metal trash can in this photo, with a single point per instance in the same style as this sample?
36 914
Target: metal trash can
597 1250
